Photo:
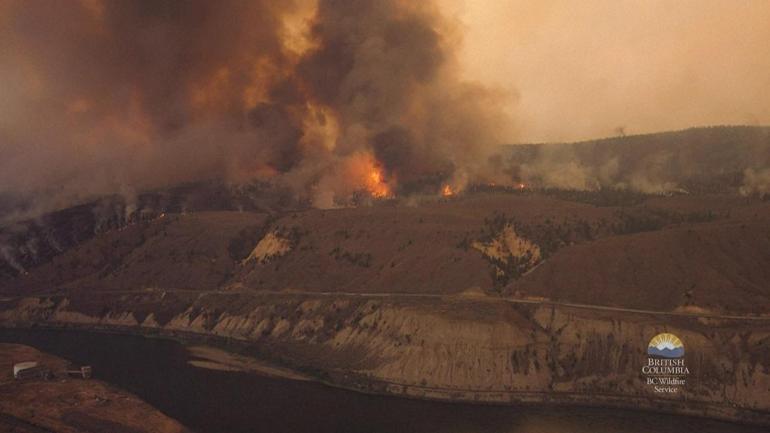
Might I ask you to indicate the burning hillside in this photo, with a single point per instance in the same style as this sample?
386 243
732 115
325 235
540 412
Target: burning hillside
329 97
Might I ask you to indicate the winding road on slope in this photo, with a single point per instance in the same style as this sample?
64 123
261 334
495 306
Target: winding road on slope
460 296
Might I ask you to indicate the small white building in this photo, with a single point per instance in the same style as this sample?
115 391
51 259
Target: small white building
22 370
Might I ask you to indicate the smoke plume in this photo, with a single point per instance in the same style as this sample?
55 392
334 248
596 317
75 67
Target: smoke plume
329 97
756 182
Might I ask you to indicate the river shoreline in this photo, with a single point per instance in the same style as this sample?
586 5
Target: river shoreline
60 402
361 384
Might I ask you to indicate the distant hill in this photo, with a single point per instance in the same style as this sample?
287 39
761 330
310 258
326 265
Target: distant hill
698 160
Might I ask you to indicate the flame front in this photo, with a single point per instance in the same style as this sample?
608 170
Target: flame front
375 185
447 191
364 173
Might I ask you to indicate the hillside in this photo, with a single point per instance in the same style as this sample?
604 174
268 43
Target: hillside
705 246
663 253
715 267
27 243
697 160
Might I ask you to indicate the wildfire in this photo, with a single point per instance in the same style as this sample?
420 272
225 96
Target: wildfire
447 191
521 186
365 173
375 185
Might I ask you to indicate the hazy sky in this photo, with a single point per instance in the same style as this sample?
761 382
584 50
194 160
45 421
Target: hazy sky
583 68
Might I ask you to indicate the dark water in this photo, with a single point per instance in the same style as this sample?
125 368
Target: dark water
214 401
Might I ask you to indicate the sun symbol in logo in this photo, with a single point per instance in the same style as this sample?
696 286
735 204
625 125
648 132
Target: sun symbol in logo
666 345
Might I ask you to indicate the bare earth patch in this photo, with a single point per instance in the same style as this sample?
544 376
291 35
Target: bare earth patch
272 245
216 359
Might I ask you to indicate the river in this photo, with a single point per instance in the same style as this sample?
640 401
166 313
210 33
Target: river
211 401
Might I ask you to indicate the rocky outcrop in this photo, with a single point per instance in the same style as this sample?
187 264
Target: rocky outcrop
272 245
455 348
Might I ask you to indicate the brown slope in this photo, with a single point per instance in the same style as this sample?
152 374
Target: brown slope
381 248
195 251
407 249
722 266
426 249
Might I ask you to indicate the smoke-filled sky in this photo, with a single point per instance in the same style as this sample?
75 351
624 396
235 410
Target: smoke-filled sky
330 97
583 68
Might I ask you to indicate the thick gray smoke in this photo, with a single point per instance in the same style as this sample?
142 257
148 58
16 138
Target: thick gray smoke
329 97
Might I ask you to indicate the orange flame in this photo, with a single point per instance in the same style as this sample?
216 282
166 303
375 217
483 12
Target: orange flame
447 191
365 173
375 185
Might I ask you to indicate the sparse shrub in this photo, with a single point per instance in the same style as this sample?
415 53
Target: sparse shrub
363 260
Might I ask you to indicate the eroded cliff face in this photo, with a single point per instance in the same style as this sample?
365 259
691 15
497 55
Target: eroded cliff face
460 348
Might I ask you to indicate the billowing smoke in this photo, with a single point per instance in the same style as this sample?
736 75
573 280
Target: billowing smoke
697 160
756 182
558 166
329 97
